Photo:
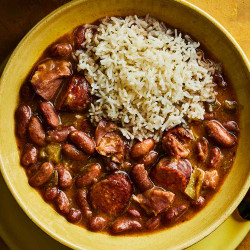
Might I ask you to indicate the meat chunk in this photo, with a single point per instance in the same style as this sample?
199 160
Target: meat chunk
173 141
175 213
92 175
211 179
202 149
49 113
48 77
155 200
23 115
111 195
175 174
219 134
140 149
61 49
76 97
124 224
140 177
59 135
36 131
103 128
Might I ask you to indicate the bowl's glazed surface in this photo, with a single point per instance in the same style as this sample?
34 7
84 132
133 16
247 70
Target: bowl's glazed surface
178 14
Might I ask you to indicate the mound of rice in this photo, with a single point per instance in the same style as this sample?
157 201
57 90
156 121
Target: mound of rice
145 76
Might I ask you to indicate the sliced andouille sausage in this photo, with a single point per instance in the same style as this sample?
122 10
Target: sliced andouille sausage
149 159
174 213
77 95
97 223
134 212
62 203
72 153
50 114
23 115
123 224
36 131
61 49
202 149
109 164
74 215
59 135
82 202
219 134
214 157
231 126
48 77
83 141
91 176
42 175
111 195
175 174
103 128
211 179
155 200
79 36
153 223
140 149
29 154
173 141
50 193
140 177
64 176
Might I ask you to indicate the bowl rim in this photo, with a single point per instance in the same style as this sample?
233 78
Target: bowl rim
4 173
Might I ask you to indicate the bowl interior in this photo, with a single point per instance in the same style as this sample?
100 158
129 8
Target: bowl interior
178 14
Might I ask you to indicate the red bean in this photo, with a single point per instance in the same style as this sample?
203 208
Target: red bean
74 215
97 223
50 114
29 155
65 178
123 224
153 223
149 159
142 148
82 202
23 115
214 157
62 203
72 153
50 193
134 212
36 131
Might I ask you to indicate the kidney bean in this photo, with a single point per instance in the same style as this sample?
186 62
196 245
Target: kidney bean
142 148
140 177
134 212
79 37
62 203
209 116
42 175
231 126
149 159
72 153
74 215
89 177
50 193
33 169
153 223
23 115
36 131
215 155
109 164
49 114
82 202
175 212
61 49
202 149
59 135
123 224
219 134
65 178
83 141
29 155
97 223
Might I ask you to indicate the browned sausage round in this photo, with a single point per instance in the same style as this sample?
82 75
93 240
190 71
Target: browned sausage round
23 115
49 114
175 174
111 195
29 155
82 202
83 141
142 148
153 223
124 224
214 157
59 135
89 177
50 193
97 223
140 177
74 215
219 134
62 203
36 131
202 149
61 49
65 178
42 175
149 159
72 153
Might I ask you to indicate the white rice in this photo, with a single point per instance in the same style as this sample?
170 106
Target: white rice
146 77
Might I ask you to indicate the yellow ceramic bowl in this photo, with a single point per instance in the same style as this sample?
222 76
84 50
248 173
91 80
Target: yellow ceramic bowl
179 14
